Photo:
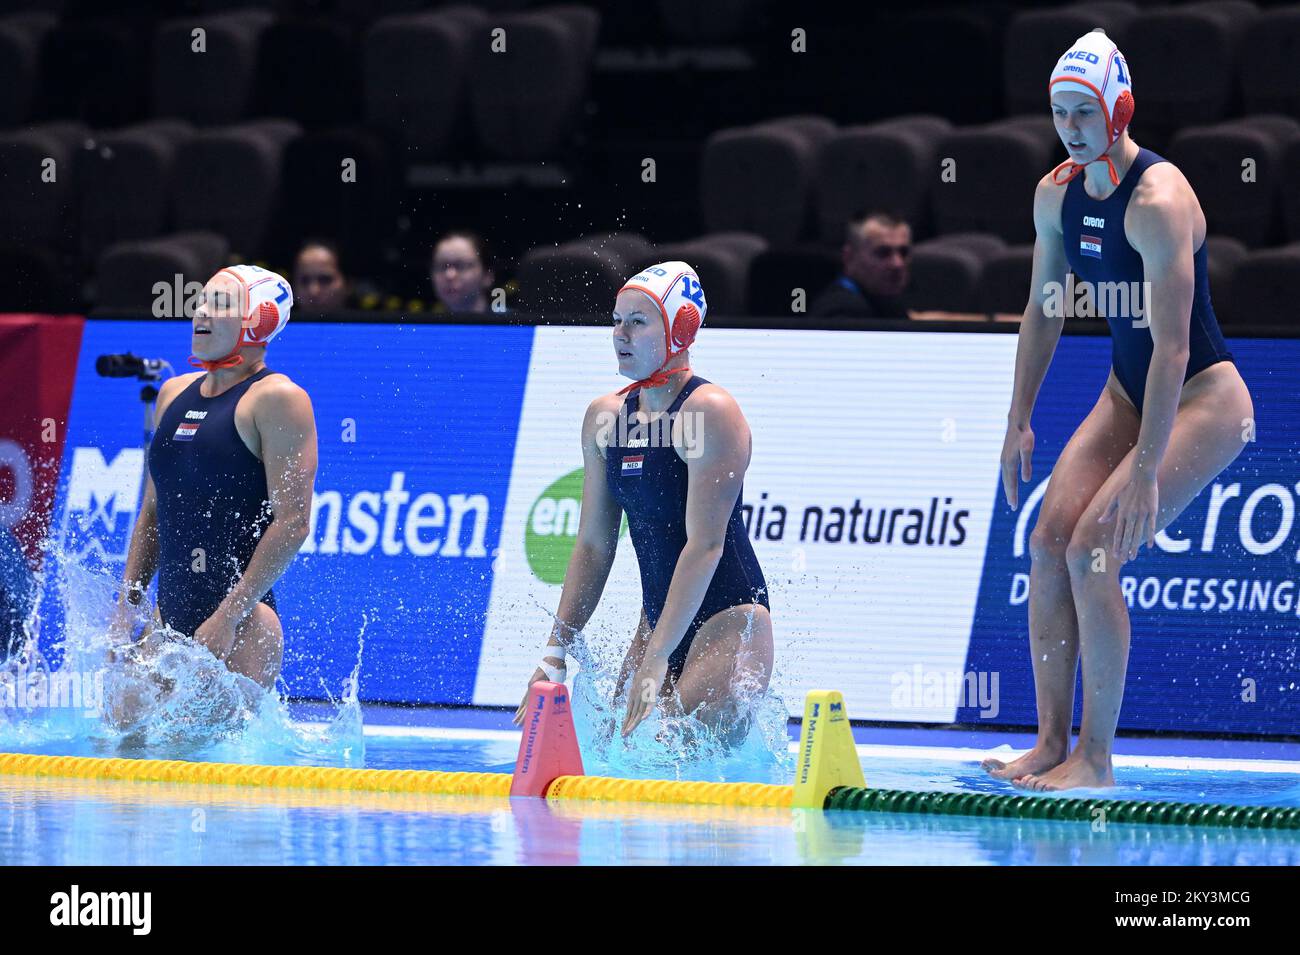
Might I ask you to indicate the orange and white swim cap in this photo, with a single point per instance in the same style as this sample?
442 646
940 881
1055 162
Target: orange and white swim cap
1094 66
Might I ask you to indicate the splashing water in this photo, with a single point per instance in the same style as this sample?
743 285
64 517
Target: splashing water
745 739
164 697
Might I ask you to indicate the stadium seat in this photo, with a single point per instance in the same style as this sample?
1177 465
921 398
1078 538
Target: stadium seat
308 71
1004 282
759 179
37 184
890 166
21 38
775 274
128 271
1291 191
1223 255
414 71
228 182
214 87
1263 288
1185 61
315 201
124 183
995 168
525 101
1270 62
1213 159
94 71
689 21
945 272
35 278
573 278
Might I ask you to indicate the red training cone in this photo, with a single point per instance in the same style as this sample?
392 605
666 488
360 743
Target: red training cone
549 747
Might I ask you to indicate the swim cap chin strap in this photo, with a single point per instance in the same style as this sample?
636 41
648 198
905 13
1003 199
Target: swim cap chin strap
230 361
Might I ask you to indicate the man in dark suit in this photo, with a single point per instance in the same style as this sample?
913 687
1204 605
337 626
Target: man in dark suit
877 250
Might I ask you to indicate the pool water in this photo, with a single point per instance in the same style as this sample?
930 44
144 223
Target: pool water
46 821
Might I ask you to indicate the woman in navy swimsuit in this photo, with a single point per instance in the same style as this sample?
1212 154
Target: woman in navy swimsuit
670 451
1173 414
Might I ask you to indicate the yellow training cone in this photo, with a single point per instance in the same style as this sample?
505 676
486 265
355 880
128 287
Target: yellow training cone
827 756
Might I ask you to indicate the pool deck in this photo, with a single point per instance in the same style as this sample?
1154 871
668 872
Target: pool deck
497 719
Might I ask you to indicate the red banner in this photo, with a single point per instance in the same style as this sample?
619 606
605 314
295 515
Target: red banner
38 362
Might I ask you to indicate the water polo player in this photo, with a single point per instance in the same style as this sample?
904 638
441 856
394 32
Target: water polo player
1172 415
705 634
228 491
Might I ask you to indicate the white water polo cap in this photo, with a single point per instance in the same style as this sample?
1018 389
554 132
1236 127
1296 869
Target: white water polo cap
676 289
263 299
1094 66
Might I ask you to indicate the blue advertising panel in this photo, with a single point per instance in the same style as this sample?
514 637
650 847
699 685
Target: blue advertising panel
416 429
1214 607
419 429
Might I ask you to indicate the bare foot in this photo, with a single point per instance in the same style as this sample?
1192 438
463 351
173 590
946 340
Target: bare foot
1038 760
1071 774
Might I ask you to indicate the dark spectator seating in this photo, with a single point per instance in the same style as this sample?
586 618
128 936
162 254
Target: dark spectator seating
227 181
130 272
214 87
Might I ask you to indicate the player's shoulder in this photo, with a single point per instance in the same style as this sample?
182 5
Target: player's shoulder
715 403
170 390
607 404
1049 196
178 383
1163 187
280 386
600 414
1049 193
277 396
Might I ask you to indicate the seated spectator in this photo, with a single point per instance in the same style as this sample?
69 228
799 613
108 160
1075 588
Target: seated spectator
877 248
462 273
319 284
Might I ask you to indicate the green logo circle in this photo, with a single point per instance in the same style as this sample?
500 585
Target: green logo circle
552 528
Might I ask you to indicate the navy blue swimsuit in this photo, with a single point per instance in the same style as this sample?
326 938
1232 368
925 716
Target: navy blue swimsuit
650 483
1098 252
212 495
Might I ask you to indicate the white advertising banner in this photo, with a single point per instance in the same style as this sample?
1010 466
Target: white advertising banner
872 484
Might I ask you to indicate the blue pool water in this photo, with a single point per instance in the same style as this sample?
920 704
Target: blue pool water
79 822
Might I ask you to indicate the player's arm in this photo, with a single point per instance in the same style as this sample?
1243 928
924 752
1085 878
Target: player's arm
598 524
286 427
1040 330
1043 319
715 475
1159 226
142 553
